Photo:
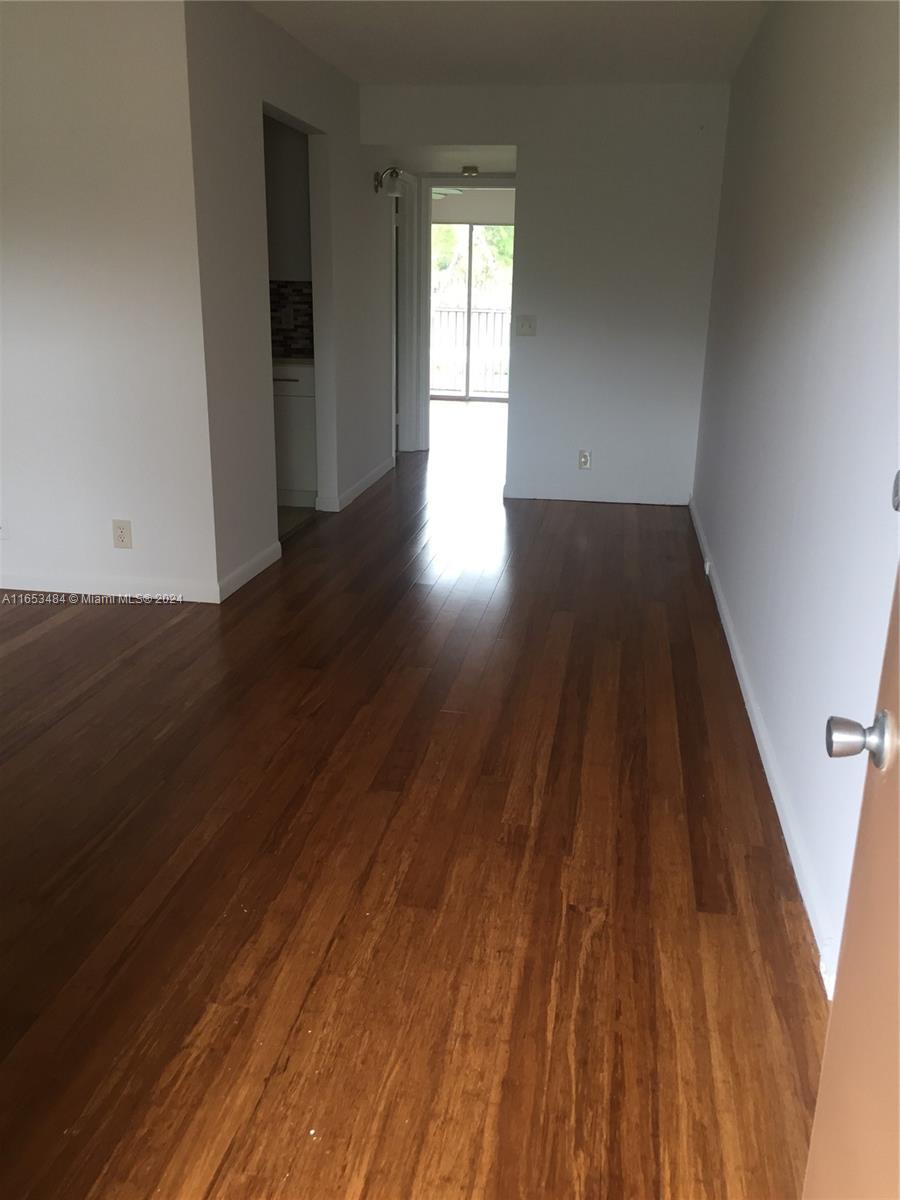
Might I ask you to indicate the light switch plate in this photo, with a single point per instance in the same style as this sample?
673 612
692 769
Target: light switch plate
526 326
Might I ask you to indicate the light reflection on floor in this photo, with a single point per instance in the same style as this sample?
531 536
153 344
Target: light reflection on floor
466 473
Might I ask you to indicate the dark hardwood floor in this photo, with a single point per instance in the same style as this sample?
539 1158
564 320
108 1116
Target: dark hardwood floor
438 861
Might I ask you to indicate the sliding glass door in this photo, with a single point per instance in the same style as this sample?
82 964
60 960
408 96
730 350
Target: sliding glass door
471 300
450 246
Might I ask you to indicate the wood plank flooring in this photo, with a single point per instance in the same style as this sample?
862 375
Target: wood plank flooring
437 862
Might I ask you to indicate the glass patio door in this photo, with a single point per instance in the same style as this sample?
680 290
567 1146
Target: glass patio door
471 301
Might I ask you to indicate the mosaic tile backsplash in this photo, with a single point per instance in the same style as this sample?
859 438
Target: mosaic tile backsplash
290 303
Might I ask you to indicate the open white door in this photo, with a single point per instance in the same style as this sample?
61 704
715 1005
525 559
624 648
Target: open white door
409 435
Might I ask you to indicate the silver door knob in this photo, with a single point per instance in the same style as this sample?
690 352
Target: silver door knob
844 738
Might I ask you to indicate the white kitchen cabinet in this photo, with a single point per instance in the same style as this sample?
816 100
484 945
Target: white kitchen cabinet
295 432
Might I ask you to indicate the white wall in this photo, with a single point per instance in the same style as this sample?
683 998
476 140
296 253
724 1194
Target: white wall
476 206
238 61
287 201
135 385
103 389
617 191
799 437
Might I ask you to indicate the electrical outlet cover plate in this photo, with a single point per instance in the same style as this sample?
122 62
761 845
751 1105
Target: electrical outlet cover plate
584 460
526 326
121 535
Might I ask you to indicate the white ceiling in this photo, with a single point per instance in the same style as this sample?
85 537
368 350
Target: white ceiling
523 41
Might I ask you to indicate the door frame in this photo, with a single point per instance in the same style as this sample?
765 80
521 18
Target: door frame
324 326
413 431
405 307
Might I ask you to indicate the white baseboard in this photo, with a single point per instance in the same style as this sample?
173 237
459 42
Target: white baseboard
326 503
515 491
292 498
806 880
246 571
194 590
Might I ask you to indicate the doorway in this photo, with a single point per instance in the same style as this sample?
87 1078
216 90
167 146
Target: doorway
286 151
472 252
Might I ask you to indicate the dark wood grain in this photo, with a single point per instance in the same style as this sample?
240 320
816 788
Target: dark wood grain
420 868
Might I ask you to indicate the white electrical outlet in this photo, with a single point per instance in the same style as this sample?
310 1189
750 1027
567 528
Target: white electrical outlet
526 326
584 460
122 535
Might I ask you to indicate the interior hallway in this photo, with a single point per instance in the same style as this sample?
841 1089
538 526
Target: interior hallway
438 861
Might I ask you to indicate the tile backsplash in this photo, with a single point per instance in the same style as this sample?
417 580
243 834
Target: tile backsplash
290 303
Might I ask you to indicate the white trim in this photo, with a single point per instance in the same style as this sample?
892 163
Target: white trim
292 498
325 323
468 306
422 397
395 322
406 274
338 503
244 573
515 491
194 590
806 879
